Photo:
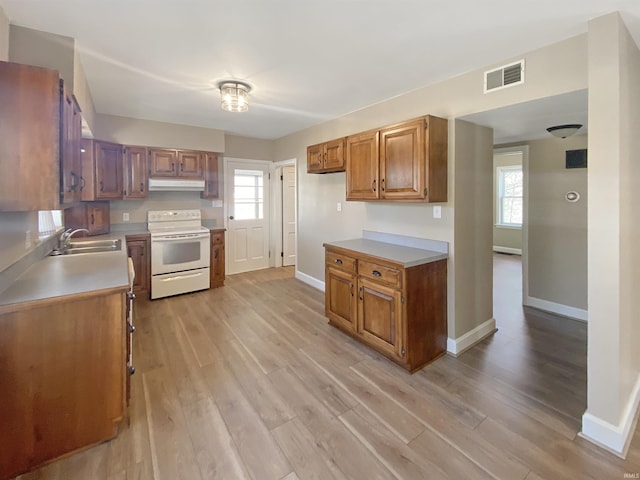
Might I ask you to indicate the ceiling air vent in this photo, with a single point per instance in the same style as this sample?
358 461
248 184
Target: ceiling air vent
505 76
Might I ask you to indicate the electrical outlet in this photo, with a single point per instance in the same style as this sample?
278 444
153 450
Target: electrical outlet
27 240
339 207
125 217
437 211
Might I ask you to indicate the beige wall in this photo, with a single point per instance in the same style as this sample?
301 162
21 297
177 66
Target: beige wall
246 147
82 93
505 237
132 131
318 220
4 36
34 47
473 235
613 182
557 229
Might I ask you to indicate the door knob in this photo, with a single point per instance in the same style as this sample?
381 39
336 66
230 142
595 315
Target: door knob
230 217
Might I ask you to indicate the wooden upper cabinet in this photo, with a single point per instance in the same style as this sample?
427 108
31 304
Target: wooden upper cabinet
135 172
29 138
326 157
70 161
362 166
108 170
211 182
190 164
163 163
402 161
175 163
408 162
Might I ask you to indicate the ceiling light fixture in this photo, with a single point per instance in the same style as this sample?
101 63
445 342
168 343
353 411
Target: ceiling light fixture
234 96
564 131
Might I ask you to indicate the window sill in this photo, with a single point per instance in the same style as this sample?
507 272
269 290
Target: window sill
508 227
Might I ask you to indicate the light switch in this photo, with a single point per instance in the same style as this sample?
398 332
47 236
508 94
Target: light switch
125 217
437 211
339 207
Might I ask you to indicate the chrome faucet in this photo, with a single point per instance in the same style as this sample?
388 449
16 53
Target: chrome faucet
65 238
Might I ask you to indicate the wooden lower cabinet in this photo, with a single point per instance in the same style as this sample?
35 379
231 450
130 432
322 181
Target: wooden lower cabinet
62 377
217 268
139 249
400 312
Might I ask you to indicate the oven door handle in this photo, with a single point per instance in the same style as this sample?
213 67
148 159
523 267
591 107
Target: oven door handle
181 277
181 238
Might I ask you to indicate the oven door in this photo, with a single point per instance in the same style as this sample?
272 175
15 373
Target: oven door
180 252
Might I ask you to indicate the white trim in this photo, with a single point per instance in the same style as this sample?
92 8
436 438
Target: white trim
309 280
615 438
560 309
514 251
457 346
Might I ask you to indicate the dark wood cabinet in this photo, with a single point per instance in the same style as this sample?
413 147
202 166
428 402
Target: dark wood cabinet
217 268
399 311
326 157
139 250
405 162
102 167
94 216
211 182
108 169
35 140
175 163
71 182
135 172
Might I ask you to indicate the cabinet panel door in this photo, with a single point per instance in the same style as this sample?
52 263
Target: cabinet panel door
138 250
402 161
135 172
217 259
190 164
108 167
340 300
163 163
362 166
69 149
380 316
334 155
98 218
315 158
210 176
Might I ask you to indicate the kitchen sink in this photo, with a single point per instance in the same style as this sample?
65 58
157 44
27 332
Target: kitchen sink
89 246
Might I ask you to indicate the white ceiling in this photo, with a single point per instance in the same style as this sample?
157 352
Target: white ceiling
308 60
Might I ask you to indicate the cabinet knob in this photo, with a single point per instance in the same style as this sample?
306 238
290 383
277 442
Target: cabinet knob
131 296
373 186
82 183
132 328
92 219
360 290
382 185
101 186
132 370
141 186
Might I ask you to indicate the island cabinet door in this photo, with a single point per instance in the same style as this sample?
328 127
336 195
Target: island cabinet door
340 299
380 317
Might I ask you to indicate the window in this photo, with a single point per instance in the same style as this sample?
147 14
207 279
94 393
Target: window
509 191
248 194
49 221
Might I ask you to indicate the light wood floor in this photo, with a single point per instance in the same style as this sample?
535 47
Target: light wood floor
249 381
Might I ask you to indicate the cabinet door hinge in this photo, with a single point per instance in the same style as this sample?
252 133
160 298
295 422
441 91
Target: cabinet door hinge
426 124
282 254
281 178
402 299
425 192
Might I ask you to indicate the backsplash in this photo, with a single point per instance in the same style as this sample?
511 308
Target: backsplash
137 209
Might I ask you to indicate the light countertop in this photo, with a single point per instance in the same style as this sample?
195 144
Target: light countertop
407 256
66 275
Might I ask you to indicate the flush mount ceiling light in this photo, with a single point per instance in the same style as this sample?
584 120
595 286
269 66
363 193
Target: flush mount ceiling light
564 131
234 96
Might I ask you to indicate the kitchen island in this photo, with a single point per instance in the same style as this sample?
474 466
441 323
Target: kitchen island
63 354
390 296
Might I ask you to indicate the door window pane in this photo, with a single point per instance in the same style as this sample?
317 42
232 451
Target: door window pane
248 194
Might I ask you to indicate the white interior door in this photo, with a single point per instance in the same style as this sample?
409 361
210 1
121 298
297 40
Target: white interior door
288 215
247 200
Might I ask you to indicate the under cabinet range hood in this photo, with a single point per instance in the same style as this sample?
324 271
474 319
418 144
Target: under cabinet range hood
175 185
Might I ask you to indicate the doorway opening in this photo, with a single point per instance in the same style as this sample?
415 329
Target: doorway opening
284 218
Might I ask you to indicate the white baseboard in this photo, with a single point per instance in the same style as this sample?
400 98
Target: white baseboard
514 251
615 438
309 280
458 345
558 308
